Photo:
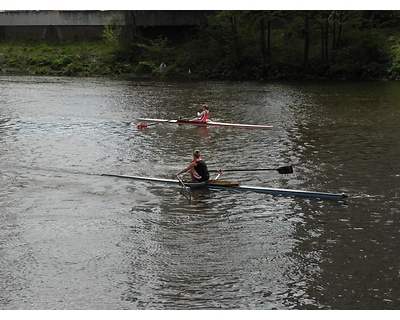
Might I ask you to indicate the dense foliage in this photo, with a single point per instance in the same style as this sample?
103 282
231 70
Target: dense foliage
233 44
271 44
57 58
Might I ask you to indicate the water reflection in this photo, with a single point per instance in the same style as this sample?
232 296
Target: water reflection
196 261
345 141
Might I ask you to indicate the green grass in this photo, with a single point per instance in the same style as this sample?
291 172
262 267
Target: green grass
71 58
58 58
102 58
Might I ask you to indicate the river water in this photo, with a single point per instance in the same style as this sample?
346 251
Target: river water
73 239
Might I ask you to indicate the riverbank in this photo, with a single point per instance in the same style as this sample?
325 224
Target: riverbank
78 58
57 58
98 58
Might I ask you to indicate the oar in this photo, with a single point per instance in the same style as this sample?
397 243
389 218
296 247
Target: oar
142 126
187 190
281 170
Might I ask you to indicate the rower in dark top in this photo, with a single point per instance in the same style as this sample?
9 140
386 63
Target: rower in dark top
198 169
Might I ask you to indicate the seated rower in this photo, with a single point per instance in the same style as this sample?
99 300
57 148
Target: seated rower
198 169
203 116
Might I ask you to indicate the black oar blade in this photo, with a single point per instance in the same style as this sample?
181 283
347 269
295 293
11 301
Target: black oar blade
284 170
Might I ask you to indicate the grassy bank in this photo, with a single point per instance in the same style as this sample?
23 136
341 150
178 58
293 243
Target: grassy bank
99 58
59 58
90 58
232 45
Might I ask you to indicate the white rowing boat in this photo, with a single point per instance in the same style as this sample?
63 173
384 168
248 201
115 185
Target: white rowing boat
209 123
235 186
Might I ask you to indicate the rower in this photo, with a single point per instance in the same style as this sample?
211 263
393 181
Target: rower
198 169
203 116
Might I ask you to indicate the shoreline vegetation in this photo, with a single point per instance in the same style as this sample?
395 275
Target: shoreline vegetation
235 45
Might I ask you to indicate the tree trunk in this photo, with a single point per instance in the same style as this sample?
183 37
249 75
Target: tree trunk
263 44
326 37
235 38
130 29
306 40
269 40
337 41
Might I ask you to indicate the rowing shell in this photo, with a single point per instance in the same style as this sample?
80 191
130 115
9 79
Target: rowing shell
208 123
235 186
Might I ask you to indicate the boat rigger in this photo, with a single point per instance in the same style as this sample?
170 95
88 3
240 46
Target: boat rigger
208 123
235 186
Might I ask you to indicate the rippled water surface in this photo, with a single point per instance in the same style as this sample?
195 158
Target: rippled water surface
73 239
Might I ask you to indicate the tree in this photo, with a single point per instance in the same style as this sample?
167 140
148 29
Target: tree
306 39
235 40
257 43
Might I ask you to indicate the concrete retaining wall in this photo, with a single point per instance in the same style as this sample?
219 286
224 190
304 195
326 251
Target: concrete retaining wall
60 18
86 25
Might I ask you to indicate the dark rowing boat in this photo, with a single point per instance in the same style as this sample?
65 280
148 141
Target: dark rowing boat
235 186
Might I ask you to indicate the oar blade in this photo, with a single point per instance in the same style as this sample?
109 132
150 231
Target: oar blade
281 170
285 170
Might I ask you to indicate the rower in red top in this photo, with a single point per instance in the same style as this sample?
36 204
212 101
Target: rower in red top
203 116
198 169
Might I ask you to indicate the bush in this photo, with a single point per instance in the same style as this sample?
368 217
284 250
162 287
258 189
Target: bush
172 70
12 62
58 64
72 69
124 68
146 67
42 60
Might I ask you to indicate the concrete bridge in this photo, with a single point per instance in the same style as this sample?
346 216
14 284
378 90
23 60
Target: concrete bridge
88 25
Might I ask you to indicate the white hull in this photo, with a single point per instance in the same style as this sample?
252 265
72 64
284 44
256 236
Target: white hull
209 123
